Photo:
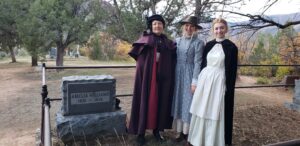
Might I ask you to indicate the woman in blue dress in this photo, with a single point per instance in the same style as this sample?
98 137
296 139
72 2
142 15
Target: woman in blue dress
189 56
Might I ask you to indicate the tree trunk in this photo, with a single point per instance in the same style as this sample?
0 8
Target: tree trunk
12 54
34 60
60 56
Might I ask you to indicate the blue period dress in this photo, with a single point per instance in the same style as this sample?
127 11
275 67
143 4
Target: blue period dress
189 57
207 123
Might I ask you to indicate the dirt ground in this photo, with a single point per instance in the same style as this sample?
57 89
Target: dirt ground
260 116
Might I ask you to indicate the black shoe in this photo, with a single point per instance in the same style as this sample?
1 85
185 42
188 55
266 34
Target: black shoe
141 140
117 104
188 144
158 136
181 137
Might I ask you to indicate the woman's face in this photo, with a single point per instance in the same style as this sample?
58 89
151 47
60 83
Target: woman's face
157 27
189 29
219 30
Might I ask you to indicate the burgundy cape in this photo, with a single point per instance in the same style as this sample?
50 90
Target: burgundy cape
153 88
231 59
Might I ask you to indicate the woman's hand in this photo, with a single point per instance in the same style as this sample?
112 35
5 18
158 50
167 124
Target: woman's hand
193 88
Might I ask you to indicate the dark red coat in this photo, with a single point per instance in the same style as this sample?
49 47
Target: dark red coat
153 88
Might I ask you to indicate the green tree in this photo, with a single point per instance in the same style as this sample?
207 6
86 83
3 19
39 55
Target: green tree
96 52
126 19
274 57
259 52
263 53
10 12
32 34
274 43
289 47
130 28
66 22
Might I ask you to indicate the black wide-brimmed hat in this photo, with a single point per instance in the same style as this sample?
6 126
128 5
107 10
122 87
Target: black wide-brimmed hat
192 20
154 17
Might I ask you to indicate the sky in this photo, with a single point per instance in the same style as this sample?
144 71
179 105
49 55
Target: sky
281 7
256 6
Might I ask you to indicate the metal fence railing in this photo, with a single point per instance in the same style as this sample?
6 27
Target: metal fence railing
45 120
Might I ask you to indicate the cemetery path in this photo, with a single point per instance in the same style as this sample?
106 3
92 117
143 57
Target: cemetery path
20 106
266 96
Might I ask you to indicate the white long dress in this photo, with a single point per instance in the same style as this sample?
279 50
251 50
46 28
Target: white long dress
207 123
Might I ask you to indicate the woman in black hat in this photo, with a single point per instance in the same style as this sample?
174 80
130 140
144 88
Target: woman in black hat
189 57
155 57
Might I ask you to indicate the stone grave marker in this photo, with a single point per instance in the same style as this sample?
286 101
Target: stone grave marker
88 94
53 53
88 109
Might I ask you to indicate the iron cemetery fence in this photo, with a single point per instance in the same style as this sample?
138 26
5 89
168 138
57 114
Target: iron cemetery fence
45 119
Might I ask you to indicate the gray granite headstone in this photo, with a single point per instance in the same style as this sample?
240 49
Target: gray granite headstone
88 109
88 94
295 105
53 53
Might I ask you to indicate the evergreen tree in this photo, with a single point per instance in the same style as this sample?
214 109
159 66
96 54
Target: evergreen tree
65 22
10 12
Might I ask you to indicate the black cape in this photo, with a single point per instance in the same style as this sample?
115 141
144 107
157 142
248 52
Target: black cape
231 59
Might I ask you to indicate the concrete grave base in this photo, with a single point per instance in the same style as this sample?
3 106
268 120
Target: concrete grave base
90 126
292 106
295 105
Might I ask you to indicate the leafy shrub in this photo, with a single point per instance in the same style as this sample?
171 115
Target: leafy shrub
2 55
263 71
22 52
262 80
282 71
245 71
101 47
122 50
83 51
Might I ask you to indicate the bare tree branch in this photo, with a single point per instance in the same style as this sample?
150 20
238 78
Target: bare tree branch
266 7
261 21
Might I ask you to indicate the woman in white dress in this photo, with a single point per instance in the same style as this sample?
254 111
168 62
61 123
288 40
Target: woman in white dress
213 101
